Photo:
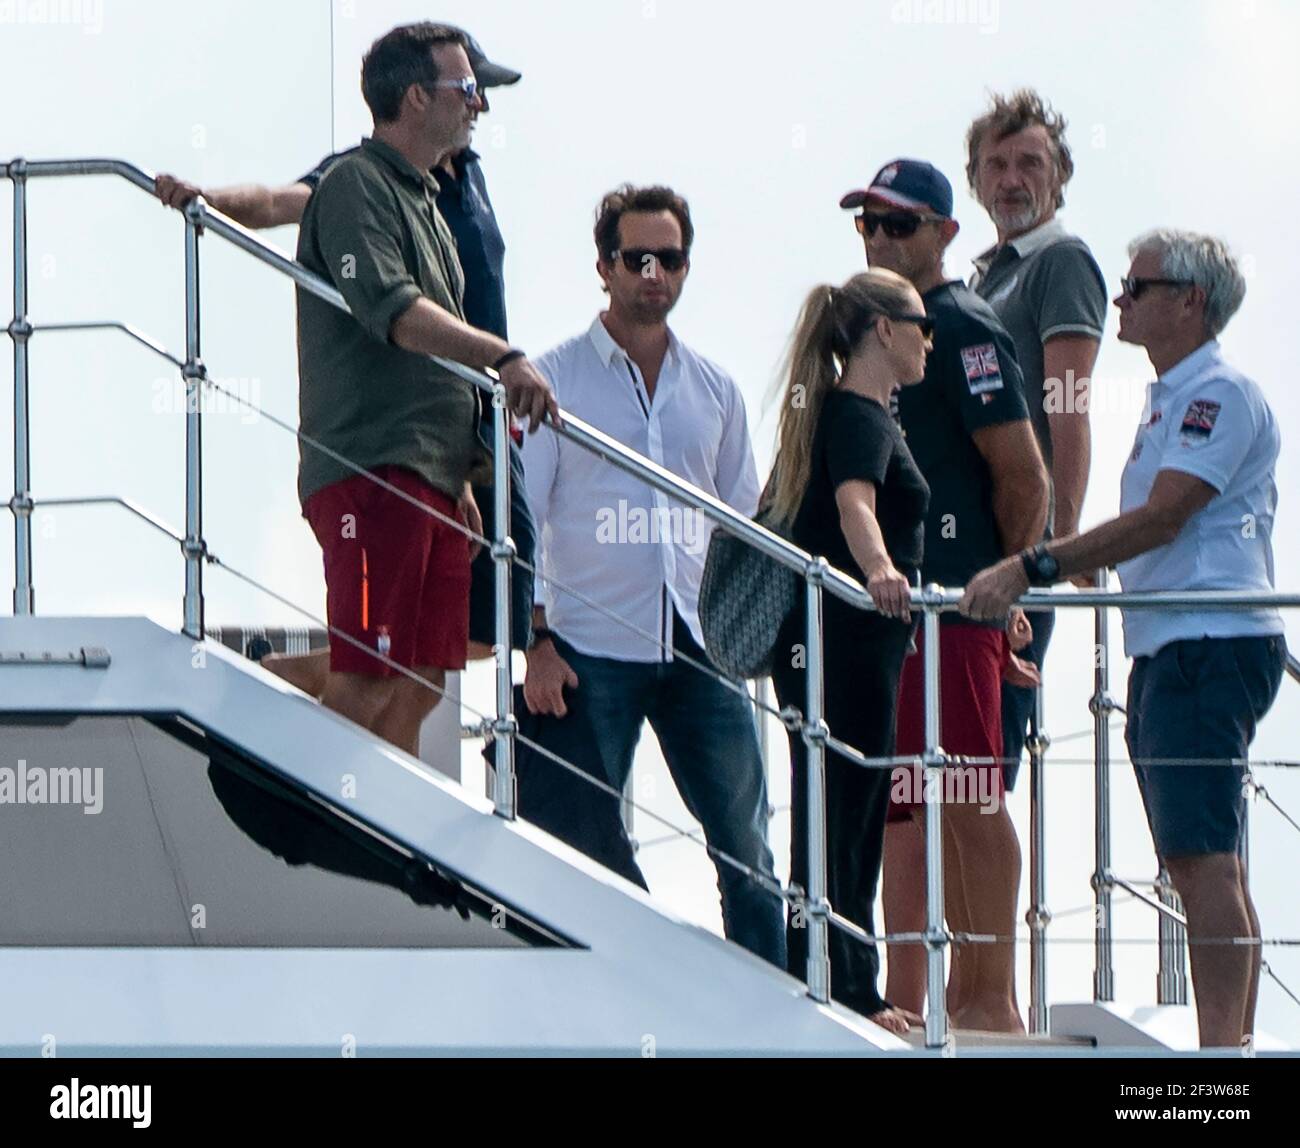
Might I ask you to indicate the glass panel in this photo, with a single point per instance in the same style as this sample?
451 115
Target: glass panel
131 831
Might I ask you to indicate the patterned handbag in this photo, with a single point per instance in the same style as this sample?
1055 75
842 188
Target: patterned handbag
745 596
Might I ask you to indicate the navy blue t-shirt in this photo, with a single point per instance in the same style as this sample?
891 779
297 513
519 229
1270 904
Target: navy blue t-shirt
463 202
972 380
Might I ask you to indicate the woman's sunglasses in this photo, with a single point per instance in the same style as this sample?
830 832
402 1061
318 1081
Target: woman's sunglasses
924 322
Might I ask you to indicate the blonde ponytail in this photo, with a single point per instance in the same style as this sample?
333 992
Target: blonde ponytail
832 322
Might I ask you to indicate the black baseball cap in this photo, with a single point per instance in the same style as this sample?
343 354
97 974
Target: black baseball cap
488 74
911 184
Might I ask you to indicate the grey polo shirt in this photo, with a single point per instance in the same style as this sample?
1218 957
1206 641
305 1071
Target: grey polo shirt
372 229
1042 284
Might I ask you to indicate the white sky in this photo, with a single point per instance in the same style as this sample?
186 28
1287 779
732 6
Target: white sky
763 114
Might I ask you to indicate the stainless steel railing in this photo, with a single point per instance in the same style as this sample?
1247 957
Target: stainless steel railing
817 574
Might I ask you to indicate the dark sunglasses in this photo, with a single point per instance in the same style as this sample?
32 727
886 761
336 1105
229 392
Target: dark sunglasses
897 224
1135 287
924 322
639 258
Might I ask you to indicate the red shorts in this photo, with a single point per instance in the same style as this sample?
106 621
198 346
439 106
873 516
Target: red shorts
396 578
971 661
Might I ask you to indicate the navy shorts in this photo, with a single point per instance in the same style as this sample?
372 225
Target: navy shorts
482 571
1192 711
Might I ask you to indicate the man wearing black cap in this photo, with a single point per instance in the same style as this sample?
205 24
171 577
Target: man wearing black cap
969 430
464 204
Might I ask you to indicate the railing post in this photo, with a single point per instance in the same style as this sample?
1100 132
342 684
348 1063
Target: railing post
194 374
1039 915
934 760
504 792
1101 704
20 330
762 701
1171 979
814 736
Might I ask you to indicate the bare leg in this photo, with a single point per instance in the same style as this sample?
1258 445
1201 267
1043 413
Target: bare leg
309 671
1252 994
964 969
991 884
306 671
903 893
359 697
410 704
478 651
905 912
1213 889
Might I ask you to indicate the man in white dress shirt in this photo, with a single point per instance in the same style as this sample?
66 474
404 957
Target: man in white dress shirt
1197 502
628 548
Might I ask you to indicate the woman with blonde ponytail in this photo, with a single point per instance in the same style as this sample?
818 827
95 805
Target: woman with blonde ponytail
844 486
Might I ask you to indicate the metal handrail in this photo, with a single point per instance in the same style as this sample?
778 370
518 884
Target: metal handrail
114 325
817 574
113 500
623 457
572 428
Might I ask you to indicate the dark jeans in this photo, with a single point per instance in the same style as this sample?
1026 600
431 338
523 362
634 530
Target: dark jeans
707 735
864 660
482 571
560 799
1018 702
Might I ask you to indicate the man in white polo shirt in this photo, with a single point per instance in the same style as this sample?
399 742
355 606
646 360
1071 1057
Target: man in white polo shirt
1197 502
639 556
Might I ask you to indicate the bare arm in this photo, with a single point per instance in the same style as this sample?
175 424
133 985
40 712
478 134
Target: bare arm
888 588
1069 357
1019 482
251 204
426 328
1174 498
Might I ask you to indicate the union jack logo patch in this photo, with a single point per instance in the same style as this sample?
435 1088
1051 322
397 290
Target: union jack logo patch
983 371
1199 420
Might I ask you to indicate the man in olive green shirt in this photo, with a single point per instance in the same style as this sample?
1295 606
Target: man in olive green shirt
396 568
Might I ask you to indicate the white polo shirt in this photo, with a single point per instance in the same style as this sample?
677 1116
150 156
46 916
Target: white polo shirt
610 536
1207 419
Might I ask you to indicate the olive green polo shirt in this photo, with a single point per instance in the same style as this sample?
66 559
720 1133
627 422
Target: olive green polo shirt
372 229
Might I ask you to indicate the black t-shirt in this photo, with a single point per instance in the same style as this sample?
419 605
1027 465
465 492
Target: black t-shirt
972 380
857 439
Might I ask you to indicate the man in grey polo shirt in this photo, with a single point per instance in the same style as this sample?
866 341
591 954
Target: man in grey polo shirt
1197 503
1050 295
396 567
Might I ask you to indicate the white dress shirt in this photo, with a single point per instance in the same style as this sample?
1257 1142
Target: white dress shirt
1205 418
610 536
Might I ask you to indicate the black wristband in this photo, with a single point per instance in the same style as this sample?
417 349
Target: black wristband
1041 568
540 634
509 357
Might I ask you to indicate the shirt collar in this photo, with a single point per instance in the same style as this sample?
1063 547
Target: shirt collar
607 348
1190 367
1044 235
398 162
460 164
